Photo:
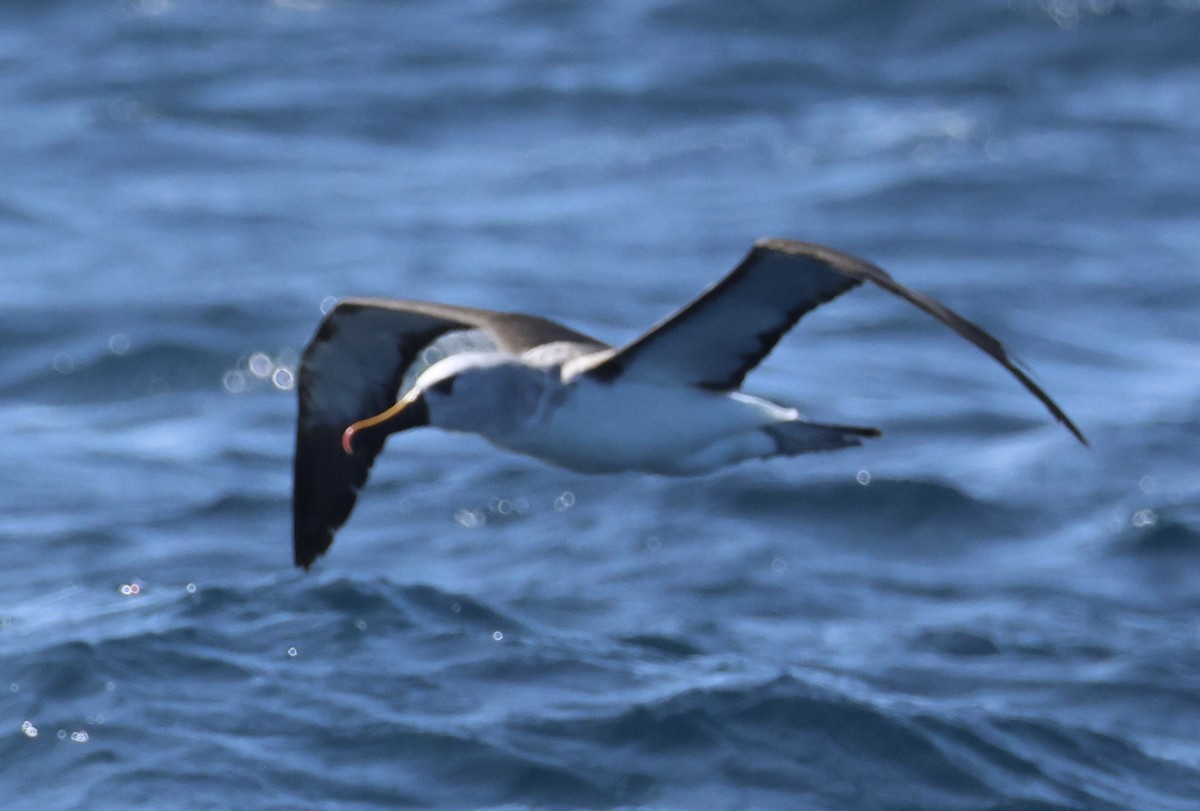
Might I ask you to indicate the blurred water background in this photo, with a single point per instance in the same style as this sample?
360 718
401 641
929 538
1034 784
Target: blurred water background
972 612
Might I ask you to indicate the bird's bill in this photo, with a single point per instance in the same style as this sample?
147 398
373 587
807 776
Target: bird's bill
409 412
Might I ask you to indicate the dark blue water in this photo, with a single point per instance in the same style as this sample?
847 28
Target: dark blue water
973 612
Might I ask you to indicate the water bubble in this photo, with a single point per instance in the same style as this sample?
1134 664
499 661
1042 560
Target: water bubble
497 635
29 729
863 477
1145 518
118 344
653 543
64 363
360 624
260 365
80 737
234 381
327 304
110 685
1148 485
778 565
283 379
61 734
564 502
14 687
292 651
191 588
469 518
455 608
130 589
431 355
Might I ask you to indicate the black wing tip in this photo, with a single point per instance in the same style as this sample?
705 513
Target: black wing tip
1075 432
306 549
1018 370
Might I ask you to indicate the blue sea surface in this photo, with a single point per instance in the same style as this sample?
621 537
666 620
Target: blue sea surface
971 613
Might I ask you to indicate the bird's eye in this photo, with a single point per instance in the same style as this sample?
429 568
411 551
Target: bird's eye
443 387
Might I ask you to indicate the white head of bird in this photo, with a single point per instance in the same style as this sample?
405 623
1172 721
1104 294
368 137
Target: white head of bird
448 395
454 388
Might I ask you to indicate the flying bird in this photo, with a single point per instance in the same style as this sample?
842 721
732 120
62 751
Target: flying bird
668 402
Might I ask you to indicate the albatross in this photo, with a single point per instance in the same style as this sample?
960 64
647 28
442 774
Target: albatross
668 402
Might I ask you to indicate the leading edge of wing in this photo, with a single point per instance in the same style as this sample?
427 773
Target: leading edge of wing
513 332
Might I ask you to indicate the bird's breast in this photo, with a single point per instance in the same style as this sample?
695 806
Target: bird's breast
598 427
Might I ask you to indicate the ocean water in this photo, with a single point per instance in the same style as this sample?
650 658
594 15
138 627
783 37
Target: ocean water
972 612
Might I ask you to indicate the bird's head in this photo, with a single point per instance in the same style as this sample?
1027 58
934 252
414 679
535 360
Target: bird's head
473 392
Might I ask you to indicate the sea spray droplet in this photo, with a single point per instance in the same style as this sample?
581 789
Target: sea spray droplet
283 379
260 365
234 382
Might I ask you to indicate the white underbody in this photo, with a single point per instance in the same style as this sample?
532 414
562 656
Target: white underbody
596 427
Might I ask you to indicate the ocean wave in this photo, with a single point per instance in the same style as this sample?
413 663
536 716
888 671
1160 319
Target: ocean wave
800 734
97 357
1164 531
929 515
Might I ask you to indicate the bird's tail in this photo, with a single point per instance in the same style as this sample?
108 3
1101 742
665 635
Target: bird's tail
799 436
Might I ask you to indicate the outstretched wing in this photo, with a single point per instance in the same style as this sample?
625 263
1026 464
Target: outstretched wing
714 341
354 367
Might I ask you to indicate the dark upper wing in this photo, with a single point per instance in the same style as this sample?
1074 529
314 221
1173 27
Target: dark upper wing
352 369
724 333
